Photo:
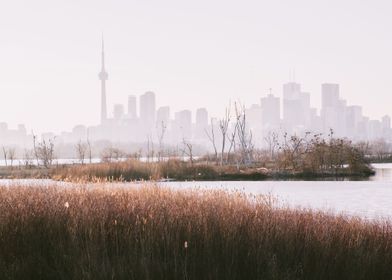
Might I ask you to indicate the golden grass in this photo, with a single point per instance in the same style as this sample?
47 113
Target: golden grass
150 232
135 170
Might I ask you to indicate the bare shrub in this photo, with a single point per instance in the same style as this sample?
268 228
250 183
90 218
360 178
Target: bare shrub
81 151
112 154
44 151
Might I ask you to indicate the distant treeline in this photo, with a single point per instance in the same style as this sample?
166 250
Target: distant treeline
309 156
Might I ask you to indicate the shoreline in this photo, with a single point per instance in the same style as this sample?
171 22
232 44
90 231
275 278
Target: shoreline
175 171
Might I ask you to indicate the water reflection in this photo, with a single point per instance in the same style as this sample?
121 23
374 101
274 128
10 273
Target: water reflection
368 198
383 172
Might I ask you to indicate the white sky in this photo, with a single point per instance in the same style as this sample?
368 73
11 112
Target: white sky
190 53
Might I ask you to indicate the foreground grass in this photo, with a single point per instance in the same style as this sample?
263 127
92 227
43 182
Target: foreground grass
156 233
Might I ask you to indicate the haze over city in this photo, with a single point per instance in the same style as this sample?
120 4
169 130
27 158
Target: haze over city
206 139
190 55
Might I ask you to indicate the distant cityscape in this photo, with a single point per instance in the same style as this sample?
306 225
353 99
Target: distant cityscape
293 115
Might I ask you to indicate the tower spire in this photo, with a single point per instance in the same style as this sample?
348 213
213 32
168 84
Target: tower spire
103 77
103 54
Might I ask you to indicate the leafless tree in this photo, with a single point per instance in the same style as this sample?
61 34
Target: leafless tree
364 147
11 154
292 149
161 135
5 153
89 149
244 135
81 150
380 149
111 154
44 151
272 142
211 137
188 150
232 142
223 128
35 148
150 149
28 158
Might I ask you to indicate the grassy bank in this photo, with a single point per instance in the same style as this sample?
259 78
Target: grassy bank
181 171
154 233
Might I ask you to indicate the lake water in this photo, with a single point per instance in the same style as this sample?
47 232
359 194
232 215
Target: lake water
371 199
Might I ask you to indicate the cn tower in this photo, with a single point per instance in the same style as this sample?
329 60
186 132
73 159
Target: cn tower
103 77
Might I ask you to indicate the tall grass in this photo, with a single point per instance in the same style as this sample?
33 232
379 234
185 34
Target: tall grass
136 170
156 233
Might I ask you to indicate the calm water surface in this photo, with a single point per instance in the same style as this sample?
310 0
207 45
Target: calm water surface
371 199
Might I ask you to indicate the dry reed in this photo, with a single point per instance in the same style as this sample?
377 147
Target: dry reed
98 232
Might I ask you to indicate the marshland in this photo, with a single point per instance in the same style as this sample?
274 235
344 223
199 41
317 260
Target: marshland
124 218
103 231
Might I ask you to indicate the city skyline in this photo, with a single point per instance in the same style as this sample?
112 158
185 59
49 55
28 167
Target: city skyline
291 112
219 52
291 108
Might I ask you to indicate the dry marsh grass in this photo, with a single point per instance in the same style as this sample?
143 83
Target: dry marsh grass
150 232
131 170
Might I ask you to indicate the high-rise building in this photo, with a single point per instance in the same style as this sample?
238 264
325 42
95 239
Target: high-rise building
363 129
296 106
353 120
183 121
291 103
315 121
3 127
201 123
163 116
270 111
22 129
386 126
333 109
329 95
375 129
147 109
253 116
118 111
103 77
132 107
386 122
201 117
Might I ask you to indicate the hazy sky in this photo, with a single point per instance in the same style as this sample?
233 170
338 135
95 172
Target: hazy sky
190 53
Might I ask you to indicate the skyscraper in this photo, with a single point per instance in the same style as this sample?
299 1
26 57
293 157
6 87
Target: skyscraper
270 111
201 123
132 106
163 117
333 110
329 95
183 121
353 120
147 109
296 106
118 112
202 117
386 126
386 122
103 77
253 116
291 104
